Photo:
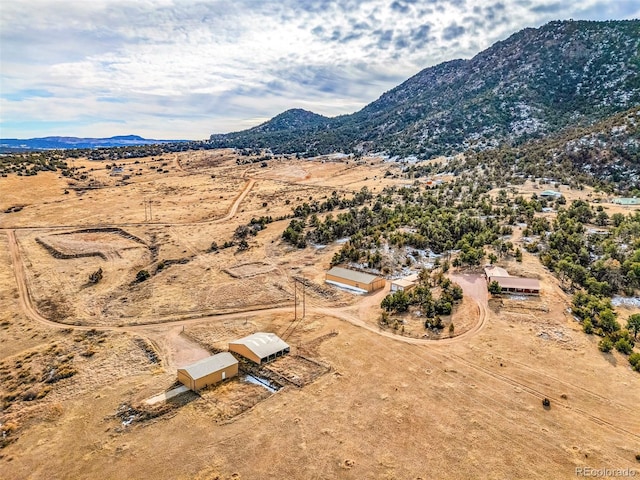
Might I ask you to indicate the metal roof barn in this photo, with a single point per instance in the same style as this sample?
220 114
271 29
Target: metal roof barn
260 347
550 193
627 201
344 277
208 371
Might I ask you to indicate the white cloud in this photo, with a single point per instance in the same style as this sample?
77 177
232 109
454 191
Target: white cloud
185 69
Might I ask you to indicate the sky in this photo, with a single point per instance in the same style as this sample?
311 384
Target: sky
184 69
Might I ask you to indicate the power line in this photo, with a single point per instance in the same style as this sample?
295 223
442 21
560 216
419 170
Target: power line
296 322
148 215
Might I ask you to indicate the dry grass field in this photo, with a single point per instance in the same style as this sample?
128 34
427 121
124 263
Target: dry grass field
79 359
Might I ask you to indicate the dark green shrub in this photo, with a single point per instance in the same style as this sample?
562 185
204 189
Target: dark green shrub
142 275
623 346
494 288
605 345
634 360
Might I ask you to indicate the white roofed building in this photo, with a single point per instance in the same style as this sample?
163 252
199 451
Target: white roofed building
260 347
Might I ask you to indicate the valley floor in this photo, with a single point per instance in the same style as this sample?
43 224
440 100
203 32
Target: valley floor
385 407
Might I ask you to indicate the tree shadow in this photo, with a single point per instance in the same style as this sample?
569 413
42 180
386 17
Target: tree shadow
610 357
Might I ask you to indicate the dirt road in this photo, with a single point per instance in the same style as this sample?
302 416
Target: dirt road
21 280
474 286
231 212
356 315
234 207
176 348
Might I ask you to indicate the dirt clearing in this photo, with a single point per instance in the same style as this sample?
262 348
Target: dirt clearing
357 402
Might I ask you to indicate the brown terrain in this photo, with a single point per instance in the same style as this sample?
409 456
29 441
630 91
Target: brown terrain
357 402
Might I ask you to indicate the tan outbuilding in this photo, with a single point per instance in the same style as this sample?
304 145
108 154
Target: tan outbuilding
405 284
260 347
527 286
343 277
494 271
509 284
208 371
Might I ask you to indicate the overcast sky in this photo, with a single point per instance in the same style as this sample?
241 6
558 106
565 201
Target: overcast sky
185 69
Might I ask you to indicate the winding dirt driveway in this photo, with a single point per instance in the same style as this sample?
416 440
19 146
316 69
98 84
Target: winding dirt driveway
177 349
236 204
354 314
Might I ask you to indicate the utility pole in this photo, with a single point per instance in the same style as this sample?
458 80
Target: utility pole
295 299
147 208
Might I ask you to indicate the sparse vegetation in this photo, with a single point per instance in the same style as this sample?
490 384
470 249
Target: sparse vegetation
633 324
142 275
605 345
396 302
30 163
634 360
31 376
494 288
96 276
422 302
449 215
623 346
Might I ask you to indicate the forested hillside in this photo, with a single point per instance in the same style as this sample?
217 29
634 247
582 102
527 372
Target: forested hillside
533 84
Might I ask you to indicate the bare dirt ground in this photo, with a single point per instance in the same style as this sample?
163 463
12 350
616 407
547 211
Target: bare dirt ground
182 350
390 407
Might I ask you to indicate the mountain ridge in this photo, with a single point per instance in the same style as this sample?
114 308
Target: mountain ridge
65 142
294 118
534 83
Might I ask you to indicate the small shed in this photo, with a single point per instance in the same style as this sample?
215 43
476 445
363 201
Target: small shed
627 201
260 347
494 271
208 371
550 194
343 277
404 284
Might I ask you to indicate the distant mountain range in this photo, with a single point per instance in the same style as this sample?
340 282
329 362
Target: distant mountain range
54 143
534 84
